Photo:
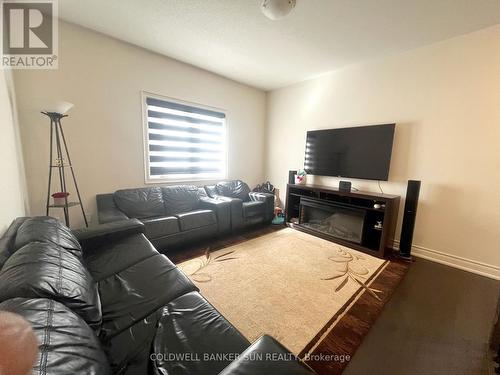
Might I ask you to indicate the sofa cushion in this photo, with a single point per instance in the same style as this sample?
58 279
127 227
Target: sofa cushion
8 240
211 191
234 189
165 244
140 203
117 256
161 226
66 343
180 198
42 270
49 230
131 349
196 219
190 324
136 292
202 192
254 208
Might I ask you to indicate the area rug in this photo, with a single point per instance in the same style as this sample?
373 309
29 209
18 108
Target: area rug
288 284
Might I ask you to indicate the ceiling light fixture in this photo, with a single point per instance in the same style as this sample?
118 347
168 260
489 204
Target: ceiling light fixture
276 9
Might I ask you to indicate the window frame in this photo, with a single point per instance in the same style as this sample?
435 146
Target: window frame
173 178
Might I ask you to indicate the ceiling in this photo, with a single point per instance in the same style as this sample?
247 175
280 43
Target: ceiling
232 38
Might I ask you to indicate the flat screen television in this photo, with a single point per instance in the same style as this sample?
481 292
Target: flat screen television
359 152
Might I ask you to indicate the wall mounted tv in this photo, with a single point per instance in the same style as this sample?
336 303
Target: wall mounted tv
358 152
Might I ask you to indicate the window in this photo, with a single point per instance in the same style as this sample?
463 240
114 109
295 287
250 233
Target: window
183 141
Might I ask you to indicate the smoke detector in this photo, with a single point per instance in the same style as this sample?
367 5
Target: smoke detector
276 9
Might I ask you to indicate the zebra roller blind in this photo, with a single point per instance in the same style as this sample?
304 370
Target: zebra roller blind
184 141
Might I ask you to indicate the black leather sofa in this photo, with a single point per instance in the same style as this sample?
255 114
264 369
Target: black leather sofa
171 214
186 213
247 207
104 301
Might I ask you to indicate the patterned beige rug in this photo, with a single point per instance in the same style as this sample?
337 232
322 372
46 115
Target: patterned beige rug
287 284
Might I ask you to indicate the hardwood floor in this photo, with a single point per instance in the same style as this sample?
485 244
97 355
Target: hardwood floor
438 321
347 335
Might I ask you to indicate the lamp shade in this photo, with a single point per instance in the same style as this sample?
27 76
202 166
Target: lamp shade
60 107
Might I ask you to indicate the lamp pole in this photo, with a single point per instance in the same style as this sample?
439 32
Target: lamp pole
57 137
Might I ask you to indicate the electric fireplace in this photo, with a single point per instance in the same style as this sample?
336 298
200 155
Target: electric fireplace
340 222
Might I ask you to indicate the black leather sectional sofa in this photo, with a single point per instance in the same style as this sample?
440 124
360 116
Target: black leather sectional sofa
104 301
179 214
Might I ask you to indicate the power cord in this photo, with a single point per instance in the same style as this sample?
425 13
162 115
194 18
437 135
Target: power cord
380 187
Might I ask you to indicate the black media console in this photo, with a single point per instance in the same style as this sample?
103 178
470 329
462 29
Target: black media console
360 220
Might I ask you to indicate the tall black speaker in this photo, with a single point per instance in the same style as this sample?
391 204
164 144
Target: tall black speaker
409 216
291 177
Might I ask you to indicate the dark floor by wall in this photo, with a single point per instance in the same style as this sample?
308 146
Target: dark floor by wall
437 322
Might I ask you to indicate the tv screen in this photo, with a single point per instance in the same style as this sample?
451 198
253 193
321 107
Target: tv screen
359 152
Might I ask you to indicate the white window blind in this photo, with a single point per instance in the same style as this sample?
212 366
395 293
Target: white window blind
184 142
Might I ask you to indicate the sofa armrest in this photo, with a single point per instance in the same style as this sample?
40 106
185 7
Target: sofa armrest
267 356
268 199
111 215
107 211
236 210
222 210
105 233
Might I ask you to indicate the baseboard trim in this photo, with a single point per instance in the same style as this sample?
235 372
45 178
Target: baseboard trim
455 261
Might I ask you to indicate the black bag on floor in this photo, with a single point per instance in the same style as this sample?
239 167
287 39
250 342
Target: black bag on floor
265 187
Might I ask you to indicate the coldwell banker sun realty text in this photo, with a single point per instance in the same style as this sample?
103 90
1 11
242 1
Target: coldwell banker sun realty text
29 34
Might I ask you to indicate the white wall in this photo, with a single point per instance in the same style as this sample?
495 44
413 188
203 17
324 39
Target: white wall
445 99
104 77
12 186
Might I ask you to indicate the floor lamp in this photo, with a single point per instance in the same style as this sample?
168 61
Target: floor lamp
59 162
